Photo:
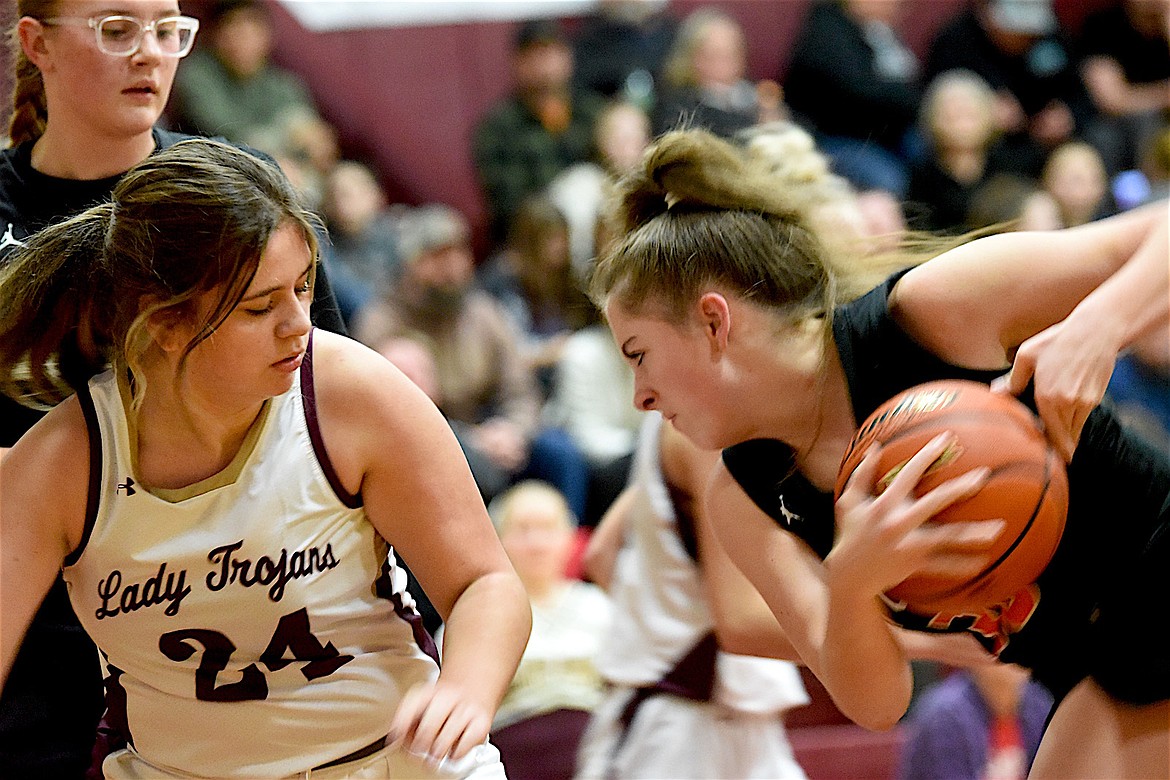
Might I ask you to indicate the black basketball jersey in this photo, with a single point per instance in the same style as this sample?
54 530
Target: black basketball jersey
1112 559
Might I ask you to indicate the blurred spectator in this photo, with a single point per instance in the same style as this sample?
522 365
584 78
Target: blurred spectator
851 222
958 120
1013 202
541 128
1075 177
1140 390
484 382
1150 181
1125 65
412 354
854 81
1017 48
620 49
790 152
364 251
546 708
580 191
704 79
590 400
882 217
532 278
232 88
304 145
983 723
1156 167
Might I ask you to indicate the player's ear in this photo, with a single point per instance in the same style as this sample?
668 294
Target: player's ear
169 327
30 34
714 314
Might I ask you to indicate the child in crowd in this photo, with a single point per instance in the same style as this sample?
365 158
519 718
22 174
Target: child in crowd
1074 175
557 686
958 121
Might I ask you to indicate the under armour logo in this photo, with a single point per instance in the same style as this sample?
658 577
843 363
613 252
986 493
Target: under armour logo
128 486
8 239
790 517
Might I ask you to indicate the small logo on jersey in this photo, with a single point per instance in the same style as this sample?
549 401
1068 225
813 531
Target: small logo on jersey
8 239
790 517
128 486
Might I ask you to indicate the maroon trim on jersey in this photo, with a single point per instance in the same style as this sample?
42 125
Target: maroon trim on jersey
384 589
693 678
94 491
309 401
113 732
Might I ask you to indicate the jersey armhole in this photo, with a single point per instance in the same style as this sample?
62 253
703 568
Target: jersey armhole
309 402
93 491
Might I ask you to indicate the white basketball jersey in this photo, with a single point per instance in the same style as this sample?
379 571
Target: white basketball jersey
253 624
659 606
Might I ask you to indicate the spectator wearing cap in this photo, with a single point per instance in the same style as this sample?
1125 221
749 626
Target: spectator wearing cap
483 383
232 89
538 130
1017 47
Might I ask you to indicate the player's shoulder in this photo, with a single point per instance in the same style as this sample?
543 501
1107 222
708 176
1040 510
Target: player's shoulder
354 385
339 362
49 467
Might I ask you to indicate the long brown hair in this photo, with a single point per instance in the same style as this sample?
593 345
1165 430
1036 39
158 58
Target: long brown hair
188 220
546 288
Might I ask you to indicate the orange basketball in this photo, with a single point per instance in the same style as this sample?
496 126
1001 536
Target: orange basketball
1028 486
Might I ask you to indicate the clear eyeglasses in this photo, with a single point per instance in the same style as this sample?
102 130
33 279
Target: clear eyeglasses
121 36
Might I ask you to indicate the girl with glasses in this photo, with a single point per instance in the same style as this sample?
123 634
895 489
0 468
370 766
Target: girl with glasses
214 483
89 88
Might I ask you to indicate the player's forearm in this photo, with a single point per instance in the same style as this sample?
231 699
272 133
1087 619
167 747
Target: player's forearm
862 665
1136 299
485 636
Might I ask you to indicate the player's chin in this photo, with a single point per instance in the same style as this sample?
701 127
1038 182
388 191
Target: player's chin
701 436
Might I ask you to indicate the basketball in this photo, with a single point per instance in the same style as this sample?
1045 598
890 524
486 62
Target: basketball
1027 487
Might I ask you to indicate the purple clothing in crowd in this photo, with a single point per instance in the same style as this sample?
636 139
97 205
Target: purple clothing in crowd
949 729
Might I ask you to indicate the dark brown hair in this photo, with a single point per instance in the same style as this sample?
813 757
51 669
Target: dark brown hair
188 220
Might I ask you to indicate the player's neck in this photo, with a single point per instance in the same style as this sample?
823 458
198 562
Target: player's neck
183 438
66 154
820 454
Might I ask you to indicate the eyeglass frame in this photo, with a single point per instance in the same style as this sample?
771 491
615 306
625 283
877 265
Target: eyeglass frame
95 23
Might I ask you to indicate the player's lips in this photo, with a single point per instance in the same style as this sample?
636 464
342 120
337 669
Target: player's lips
142 88
290 363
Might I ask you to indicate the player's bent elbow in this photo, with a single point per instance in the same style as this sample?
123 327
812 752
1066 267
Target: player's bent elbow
873 712
873 718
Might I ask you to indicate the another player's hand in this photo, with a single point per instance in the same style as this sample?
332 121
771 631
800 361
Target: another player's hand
883 539
1070 364
438 722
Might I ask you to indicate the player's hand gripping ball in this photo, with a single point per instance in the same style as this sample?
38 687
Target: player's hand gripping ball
1027 488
